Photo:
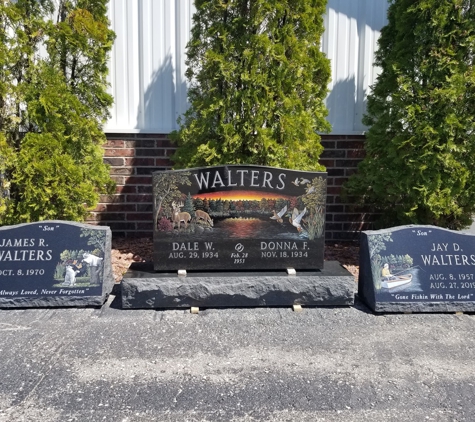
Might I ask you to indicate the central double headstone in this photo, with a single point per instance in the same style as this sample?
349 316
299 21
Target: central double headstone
239 218
243 236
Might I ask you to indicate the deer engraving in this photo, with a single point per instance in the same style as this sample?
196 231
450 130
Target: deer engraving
178 216
201 215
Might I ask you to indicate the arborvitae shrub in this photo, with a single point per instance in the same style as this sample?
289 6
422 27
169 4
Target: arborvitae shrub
420 149
258 81
53 102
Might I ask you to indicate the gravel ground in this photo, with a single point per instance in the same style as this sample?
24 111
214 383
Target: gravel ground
125 251
236 364
324 364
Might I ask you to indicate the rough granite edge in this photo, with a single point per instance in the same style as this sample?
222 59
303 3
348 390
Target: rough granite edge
154 290
422 307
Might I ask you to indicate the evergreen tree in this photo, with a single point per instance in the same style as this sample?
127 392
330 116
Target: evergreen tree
198 204
188 206
53 101
420 149
258 81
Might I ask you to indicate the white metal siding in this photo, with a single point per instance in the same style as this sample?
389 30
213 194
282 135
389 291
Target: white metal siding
352 29
147 63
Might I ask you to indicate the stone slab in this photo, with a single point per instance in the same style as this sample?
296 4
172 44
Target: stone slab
143 288
417 268
238 218
55 264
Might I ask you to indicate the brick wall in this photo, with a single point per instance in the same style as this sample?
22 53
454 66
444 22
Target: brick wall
341 156
133 158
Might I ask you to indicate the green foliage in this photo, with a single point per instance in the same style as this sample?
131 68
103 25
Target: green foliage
188 206
258 81
420 147
53 102
95 238
165 192
6 156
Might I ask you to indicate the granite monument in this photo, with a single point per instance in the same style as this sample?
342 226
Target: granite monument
417 269
54 263
238 236
239 218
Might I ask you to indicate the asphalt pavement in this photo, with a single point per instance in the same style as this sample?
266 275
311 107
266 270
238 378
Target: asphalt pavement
235 364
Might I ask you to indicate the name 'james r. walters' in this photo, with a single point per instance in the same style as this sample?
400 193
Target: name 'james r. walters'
20 243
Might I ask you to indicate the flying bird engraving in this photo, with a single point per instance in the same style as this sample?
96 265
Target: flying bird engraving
278 216
296 217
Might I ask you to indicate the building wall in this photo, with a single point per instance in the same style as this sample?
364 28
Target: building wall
133 158
147 64
147 68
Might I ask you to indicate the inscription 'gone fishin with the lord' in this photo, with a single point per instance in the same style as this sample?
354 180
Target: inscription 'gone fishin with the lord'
238 218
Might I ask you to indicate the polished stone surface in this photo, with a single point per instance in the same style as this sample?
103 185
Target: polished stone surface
54 263
238 218
417 269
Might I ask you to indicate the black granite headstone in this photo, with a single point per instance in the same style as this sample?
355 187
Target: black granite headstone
246 236
238 218
417 269
54 263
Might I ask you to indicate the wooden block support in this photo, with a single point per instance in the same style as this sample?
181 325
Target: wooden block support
291 271
297 308
194 310
181 273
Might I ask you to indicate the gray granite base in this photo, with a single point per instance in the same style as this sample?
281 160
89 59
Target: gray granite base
143 288
54 301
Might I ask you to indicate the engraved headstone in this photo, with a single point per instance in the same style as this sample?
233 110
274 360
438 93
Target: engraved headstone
54 263
245 236
417 269
238 218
